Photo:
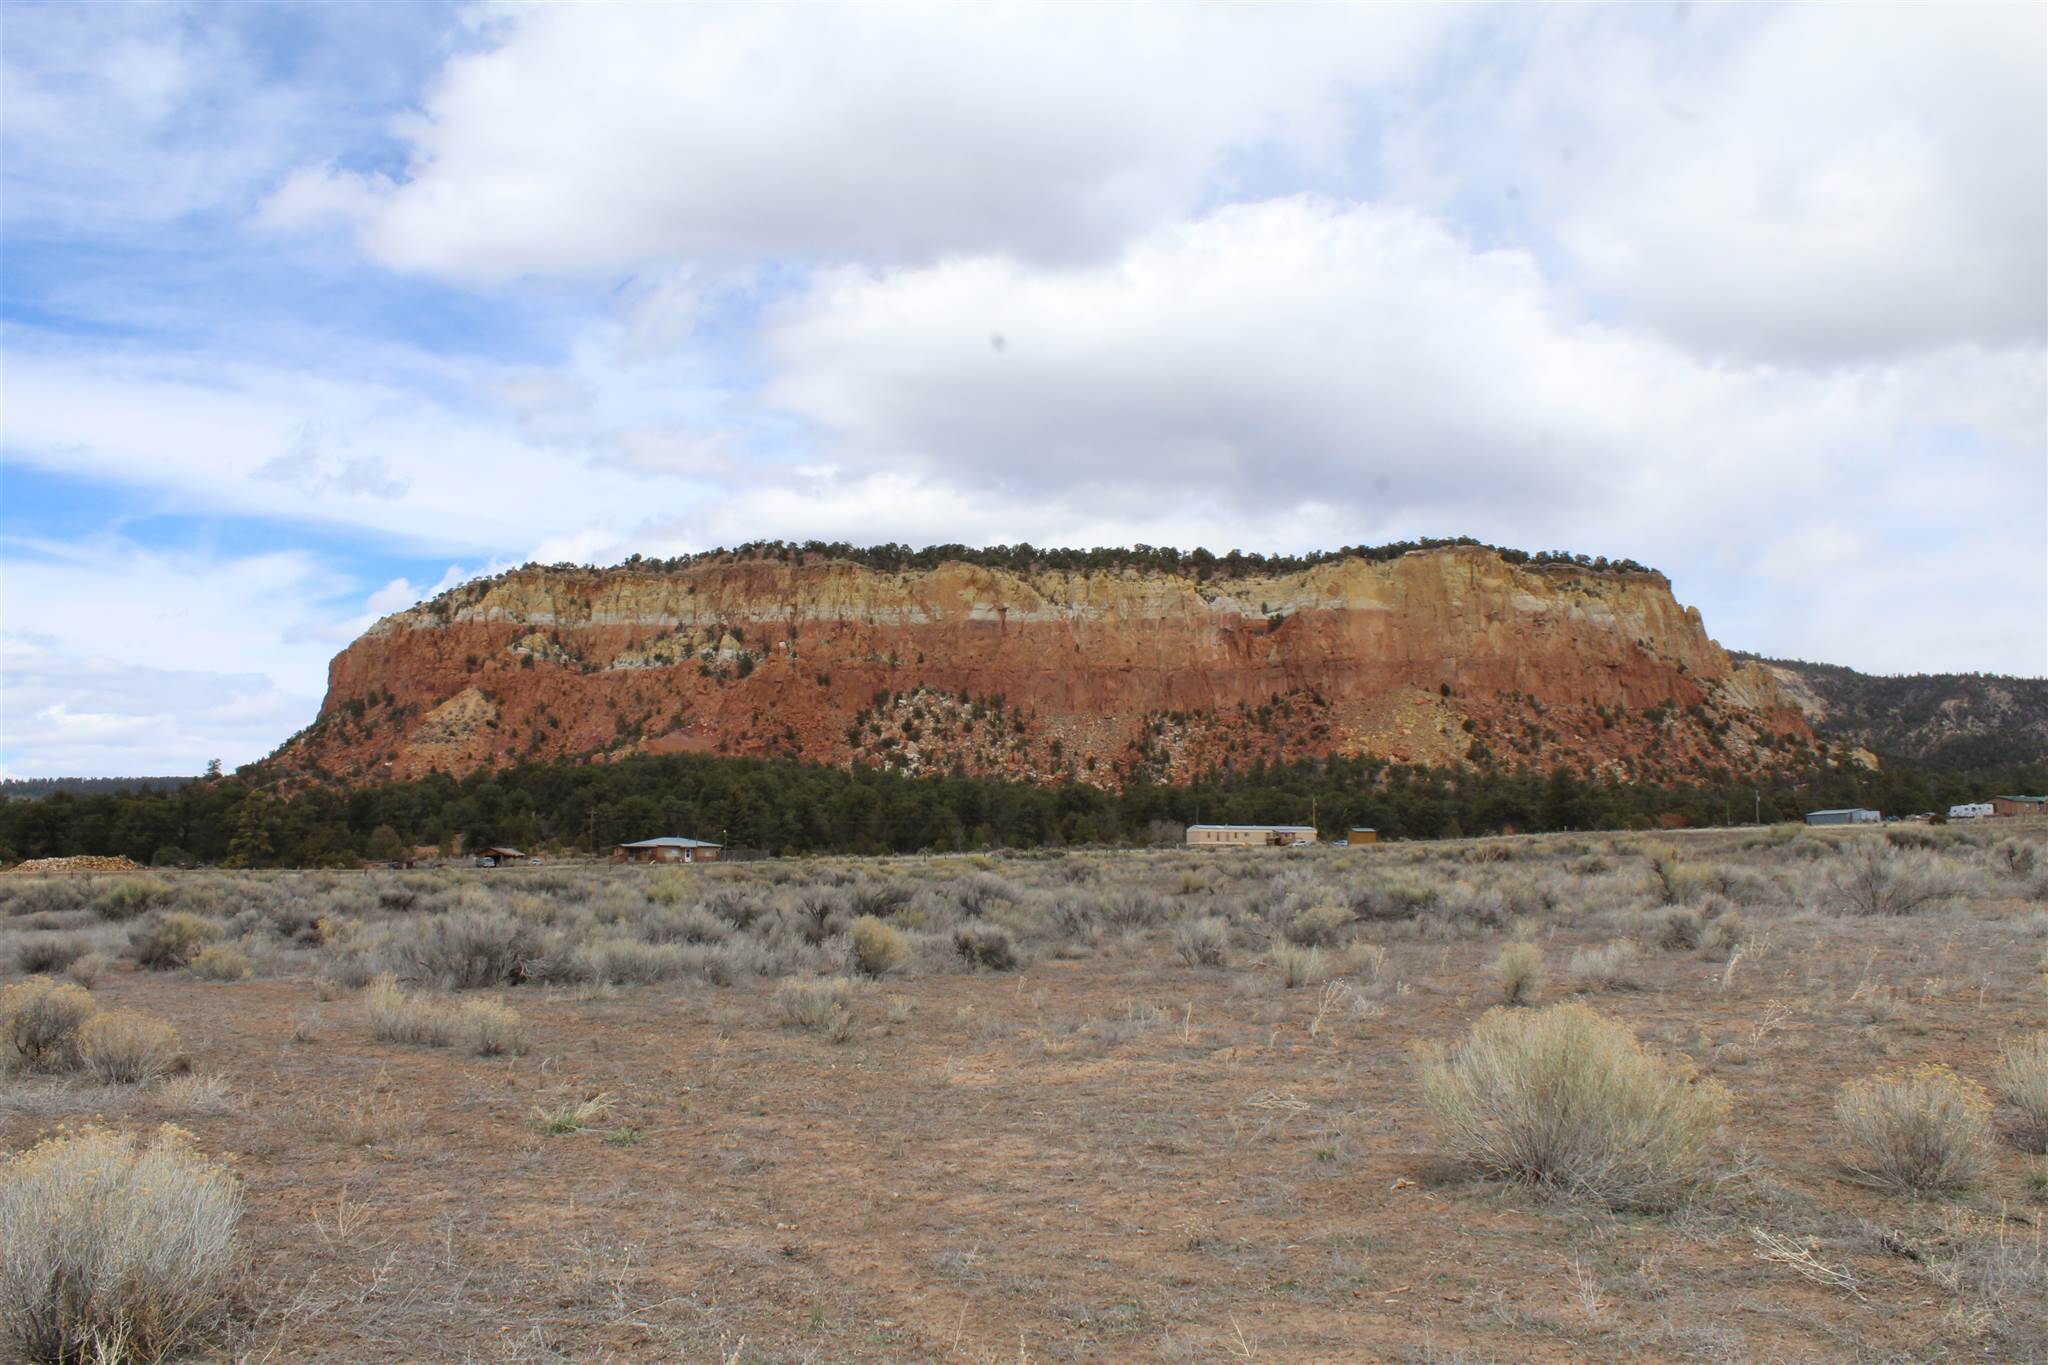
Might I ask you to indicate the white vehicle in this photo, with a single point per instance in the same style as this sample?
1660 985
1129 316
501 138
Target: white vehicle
1974 810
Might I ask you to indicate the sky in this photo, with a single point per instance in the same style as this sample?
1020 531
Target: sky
310 311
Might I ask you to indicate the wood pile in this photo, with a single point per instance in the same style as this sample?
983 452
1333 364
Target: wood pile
84 862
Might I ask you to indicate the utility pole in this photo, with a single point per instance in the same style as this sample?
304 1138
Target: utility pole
1759 805
590 830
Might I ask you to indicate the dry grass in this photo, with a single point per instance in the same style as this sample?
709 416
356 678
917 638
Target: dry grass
397 1015
2021 1076
1610 967
491 1029
1927 1129
111 1251
824 1007
1519 971
1295 966
1101 1153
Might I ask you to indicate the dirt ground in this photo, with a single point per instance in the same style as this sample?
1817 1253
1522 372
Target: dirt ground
1108 1154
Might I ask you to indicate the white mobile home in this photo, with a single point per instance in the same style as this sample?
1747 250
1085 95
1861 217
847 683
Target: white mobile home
1250 836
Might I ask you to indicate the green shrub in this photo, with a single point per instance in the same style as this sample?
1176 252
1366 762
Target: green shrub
1680 930
877 948
1565 1099
39 1021
1202 942
1296 966
465 949
1519 970
2021 1075
1878 880
1924 1129
37 954
222 962
1319 926
2015 856
112 1253
1678 882
986 946
127 897
821 1006
170 939
1725 932
491 1029
122 1047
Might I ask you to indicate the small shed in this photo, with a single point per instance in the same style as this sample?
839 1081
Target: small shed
1250 836
1848 815
1360 836
498 856
669 848
2019 805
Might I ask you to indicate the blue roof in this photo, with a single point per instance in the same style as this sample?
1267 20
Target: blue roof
671 841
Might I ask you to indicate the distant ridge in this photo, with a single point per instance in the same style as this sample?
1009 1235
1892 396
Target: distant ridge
35 788
1947 722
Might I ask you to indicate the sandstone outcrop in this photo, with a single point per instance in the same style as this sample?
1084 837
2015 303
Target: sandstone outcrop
1441 656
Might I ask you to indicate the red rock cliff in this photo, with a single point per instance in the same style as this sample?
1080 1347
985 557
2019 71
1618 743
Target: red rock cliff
1439 656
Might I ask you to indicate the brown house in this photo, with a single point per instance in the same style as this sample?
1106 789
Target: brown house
668 849
2019 805
498 856
1358 837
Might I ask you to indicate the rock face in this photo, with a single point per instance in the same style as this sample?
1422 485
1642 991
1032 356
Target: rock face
1439 656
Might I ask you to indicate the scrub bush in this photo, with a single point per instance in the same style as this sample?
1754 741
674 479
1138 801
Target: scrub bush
113 1252
1566 1099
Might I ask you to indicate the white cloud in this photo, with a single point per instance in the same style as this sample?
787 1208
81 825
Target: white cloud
114 118
319 196
645 133
1297 353
123 660
312 465
117 660
1806 183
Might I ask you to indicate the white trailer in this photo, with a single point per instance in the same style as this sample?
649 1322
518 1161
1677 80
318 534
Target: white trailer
1973 810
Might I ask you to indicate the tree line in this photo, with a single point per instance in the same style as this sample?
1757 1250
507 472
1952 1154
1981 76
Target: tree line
1024 558
787 807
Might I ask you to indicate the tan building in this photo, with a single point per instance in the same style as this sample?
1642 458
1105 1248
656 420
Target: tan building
669 849
1360 837
1250 836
